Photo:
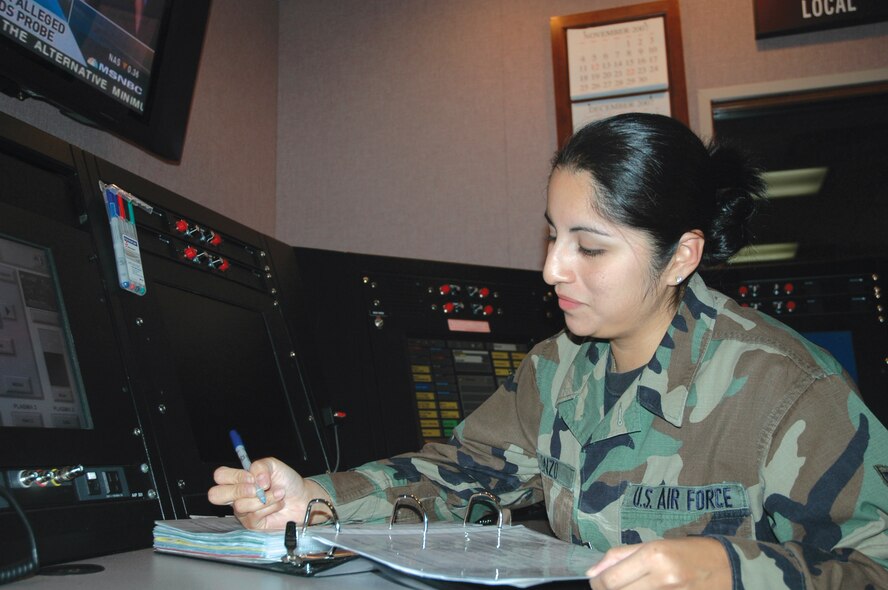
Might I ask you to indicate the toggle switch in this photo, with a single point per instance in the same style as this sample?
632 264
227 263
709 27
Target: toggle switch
218 263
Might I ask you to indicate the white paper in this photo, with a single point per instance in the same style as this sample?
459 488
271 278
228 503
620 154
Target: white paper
515 555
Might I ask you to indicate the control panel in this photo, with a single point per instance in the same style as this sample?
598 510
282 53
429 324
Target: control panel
179 237
73 453
209 346
451 378
859 292
459 304
48 486
407 348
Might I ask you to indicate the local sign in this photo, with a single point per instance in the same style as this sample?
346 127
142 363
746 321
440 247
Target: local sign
785 17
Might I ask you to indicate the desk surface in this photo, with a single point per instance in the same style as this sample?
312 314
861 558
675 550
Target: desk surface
146 570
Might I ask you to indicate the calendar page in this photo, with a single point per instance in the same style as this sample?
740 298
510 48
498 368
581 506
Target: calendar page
586 112
622 58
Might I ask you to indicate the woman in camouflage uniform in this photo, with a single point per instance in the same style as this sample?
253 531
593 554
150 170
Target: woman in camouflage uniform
700 443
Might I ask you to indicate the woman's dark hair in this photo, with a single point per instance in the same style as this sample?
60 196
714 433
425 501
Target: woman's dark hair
652 173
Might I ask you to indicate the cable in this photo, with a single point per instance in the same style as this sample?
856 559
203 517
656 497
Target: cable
336 440
19 569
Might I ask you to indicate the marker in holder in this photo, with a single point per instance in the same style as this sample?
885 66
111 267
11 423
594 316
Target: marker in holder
125 239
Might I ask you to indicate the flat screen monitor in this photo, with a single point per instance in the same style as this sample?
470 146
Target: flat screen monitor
40 384
126 66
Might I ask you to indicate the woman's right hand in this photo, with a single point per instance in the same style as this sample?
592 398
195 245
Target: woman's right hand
287 494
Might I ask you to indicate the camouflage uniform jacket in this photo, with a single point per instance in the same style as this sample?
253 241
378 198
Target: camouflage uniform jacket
737 428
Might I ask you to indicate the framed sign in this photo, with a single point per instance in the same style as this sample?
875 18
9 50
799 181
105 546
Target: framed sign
787 17
618 60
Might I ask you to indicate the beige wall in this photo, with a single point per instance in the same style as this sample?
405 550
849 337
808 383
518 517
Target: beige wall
423 128
229 158
417 128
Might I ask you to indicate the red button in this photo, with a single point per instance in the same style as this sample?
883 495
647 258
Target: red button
190 252
444 289
448 307
484 292
790 306
181 226
216 240
488 310
788 288
743 290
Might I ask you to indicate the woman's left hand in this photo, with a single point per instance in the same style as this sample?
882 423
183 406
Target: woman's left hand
688 563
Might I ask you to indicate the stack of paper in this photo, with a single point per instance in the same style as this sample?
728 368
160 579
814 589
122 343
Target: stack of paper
218 538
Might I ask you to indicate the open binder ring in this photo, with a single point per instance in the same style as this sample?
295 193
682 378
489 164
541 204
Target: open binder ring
329 506
490 499
413 502
291 540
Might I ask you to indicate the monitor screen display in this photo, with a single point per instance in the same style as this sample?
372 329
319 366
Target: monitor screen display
40 386
108 44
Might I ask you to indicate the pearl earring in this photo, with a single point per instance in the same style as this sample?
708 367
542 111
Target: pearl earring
679 279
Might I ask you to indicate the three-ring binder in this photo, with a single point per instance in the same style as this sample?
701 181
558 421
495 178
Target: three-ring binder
306 555
310 556
466 552
501 554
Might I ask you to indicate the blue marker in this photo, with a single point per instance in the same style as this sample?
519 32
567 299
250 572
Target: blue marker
245 460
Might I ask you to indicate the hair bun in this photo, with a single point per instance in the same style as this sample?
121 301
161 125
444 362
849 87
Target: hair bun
738 185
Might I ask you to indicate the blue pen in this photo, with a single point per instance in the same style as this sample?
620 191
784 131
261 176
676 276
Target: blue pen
245 460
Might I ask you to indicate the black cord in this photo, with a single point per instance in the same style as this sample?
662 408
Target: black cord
19 569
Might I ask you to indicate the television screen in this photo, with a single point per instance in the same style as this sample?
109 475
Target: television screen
126 66
109 44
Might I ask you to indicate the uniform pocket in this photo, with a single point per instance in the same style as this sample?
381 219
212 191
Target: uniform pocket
559 480
664 511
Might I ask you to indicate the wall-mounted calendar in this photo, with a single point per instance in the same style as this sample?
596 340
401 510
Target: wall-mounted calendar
618 60
592 110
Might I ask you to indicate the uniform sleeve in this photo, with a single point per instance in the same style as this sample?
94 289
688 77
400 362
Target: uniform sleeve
825 497
493 449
